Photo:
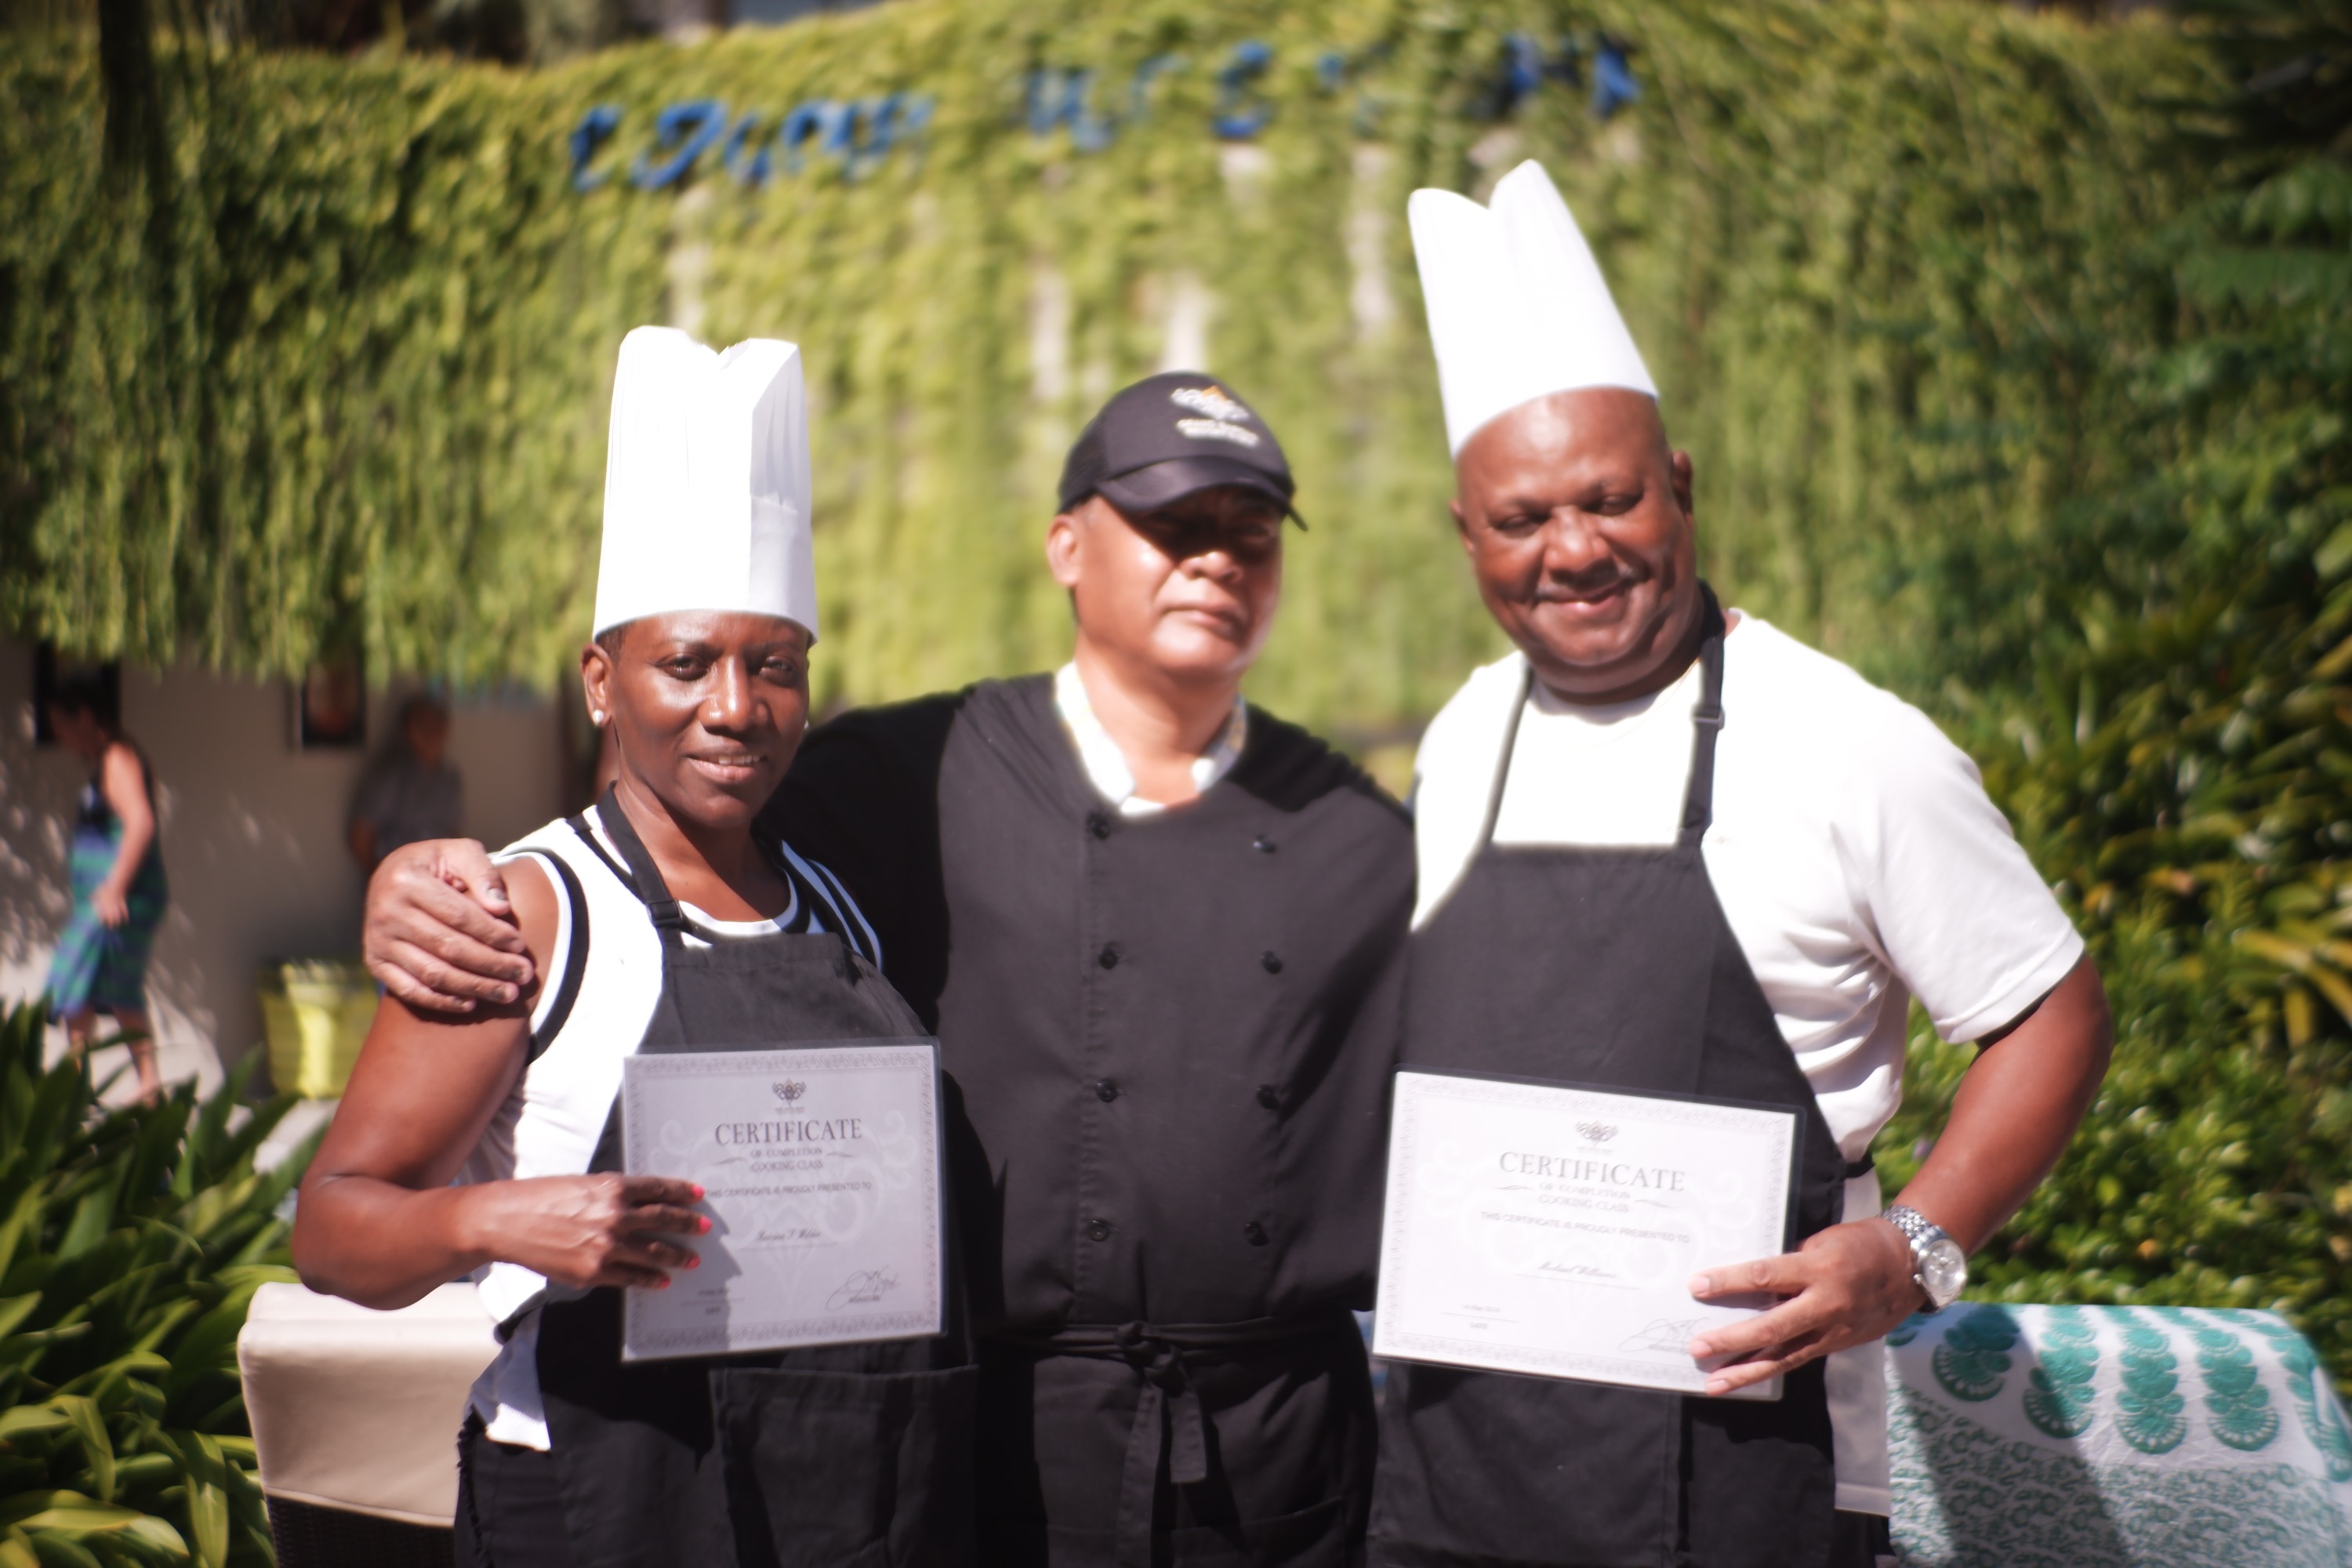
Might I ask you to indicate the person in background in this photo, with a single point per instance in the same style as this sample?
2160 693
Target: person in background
118 892
413 793
1154 925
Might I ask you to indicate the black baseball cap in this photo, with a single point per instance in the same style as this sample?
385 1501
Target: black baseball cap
1172 436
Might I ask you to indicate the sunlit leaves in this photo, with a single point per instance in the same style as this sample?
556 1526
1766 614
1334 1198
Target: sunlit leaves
2181 765
140 1237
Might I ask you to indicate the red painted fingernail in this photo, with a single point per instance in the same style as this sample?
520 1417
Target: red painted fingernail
702 1220
665 1283
697 1198
695 1262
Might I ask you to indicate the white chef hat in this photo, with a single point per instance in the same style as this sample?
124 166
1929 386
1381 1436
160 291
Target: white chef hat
1517 307
706 483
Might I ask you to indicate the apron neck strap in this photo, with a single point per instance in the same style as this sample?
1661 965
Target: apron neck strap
670 916
1706 723
654 892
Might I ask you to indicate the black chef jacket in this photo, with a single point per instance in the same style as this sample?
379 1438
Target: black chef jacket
1173 1034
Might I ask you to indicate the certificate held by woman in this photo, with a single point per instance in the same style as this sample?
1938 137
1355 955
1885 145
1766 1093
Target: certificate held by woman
820 1171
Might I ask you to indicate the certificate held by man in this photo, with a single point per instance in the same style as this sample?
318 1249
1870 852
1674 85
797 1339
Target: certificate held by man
1552 1230
820 1168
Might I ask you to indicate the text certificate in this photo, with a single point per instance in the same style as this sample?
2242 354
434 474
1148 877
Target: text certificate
1553 1230
820 1167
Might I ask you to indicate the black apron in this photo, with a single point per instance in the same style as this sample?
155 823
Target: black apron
833 1456
1613 967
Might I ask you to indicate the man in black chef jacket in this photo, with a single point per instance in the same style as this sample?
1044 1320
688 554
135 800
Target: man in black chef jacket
1666 850
1152 926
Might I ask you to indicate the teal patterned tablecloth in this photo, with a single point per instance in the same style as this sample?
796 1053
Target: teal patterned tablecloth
2081 1436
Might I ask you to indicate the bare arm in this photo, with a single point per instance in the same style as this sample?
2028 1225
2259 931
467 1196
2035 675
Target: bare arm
438 932
123 782
378 1223
2017 1108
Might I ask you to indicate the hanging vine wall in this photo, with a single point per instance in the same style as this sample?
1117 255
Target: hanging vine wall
341 383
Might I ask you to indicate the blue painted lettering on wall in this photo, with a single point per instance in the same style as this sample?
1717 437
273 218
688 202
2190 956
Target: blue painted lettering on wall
1614 86
689 128
1241 114
856 137
594 128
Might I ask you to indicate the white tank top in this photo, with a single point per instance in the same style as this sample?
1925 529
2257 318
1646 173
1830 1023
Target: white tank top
602 978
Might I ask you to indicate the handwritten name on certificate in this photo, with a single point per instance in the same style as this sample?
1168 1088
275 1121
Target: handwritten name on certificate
1552 1230
820 1167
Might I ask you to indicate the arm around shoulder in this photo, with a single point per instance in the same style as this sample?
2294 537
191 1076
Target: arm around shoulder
437 932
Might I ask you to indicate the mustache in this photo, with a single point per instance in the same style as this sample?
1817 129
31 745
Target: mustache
1565 588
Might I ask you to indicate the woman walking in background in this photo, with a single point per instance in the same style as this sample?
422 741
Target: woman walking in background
118 892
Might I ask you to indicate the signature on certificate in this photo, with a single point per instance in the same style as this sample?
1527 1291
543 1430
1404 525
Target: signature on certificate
863 1288
1662 1335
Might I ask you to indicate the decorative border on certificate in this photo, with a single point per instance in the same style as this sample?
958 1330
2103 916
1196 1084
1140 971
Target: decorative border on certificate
1548 1229
791 1072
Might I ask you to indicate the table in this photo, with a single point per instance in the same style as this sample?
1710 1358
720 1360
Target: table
355 1416
2083 1436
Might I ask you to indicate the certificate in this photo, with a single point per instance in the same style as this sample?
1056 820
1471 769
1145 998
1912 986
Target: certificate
820 1169
1553 1230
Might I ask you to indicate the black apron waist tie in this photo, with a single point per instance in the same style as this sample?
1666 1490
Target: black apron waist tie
1169 1420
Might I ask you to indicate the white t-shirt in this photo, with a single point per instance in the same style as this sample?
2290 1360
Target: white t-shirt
1854 849
1856 856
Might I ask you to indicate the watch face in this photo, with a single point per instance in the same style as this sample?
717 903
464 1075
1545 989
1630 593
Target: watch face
1943 1270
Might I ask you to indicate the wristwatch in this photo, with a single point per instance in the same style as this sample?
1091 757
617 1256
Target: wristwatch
1941 1270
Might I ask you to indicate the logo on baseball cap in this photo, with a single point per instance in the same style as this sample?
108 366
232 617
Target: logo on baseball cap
1172 436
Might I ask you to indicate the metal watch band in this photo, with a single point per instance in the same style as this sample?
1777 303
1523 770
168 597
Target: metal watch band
1917 1229
1923 1234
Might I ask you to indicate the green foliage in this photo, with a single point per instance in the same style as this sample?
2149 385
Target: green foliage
130 1242
2179 763
1882 258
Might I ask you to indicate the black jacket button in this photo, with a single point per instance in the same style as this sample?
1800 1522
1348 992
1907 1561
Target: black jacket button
1105 1091
1267 1097
1099 824
1255 1234
1098 1230
1272 962
1109 956
1263 845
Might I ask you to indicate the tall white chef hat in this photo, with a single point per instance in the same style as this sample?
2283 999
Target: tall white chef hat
706 483
1517 307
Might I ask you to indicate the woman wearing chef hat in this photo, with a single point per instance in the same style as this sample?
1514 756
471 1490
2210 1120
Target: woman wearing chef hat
657 922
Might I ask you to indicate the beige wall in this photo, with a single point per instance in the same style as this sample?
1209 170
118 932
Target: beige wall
252 831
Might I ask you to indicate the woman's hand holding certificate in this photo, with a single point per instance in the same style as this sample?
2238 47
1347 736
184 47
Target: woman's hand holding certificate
586 1231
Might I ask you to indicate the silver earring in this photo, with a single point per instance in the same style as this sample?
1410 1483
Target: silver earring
596 717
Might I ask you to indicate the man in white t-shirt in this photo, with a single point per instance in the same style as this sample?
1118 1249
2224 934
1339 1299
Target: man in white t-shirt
1666 848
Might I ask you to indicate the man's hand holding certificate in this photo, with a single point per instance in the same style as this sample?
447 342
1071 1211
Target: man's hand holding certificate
821 1171
1554 1231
